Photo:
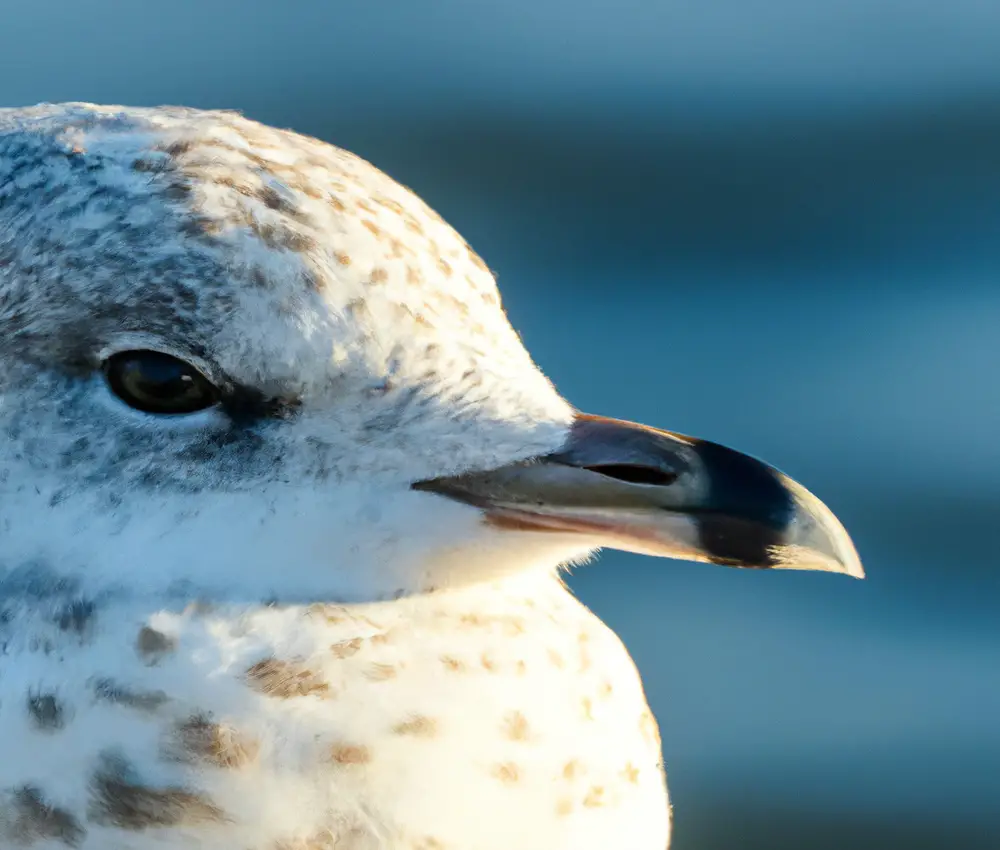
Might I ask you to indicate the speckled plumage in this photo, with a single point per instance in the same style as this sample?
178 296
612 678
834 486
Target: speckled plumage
242 628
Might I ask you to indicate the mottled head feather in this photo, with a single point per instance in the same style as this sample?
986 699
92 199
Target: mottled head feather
360 340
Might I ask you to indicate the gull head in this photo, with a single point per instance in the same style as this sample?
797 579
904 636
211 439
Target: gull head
237 362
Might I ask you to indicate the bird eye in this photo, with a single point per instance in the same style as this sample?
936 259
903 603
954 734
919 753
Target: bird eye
158 383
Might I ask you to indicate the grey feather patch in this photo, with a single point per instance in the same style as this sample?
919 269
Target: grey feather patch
119 798
153 645
27 818
76 616
108 690
46 711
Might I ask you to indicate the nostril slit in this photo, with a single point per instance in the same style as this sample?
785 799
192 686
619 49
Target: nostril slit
635 474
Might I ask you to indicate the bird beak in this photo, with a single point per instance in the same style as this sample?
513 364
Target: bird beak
635 488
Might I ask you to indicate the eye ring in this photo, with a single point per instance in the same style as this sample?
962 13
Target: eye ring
159 383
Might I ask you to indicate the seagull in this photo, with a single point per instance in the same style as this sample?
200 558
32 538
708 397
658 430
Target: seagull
285 507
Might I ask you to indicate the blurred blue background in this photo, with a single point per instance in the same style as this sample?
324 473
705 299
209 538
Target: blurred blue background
772 223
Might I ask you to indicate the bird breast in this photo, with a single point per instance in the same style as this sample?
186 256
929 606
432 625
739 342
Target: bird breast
480 719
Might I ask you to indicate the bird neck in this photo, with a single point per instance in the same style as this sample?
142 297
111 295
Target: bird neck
42 612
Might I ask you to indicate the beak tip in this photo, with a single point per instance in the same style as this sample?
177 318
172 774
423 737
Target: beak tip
845 554
819 537
812 558
854 569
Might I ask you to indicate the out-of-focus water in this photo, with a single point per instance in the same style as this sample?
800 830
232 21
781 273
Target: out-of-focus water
773 224
874 702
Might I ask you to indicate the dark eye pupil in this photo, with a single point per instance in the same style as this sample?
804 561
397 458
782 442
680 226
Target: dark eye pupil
158 383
